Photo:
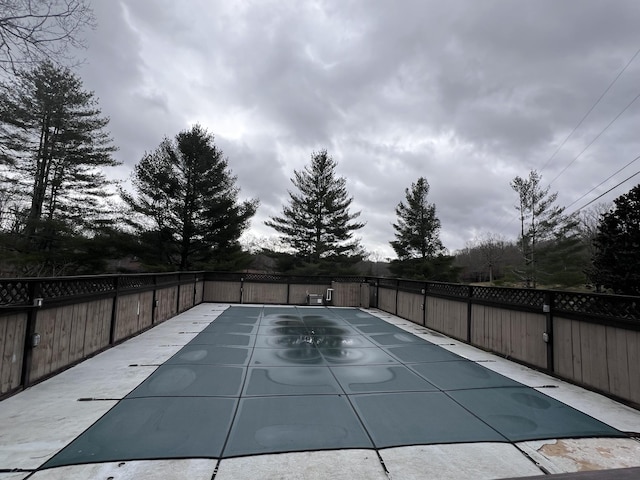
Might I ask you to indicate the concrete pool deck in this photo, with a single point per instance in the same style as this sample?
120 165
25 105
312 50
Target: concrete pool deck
42 420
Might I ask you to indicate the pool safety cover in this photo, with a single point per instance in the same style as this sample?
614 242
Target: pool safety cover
282 379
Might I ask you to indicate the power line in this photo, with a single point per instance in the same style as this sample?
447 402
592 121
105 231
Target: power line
592 141
603 194
590 110
595 138
605 180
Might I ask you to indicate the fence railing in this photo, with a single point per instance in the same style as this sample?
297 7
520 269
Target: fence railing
47 324
589 339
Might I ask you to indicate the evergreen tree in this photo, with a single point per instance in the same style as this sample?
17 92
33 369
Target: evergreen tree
616 262
317 224
186 206
418 228
53 148
563 259
417 244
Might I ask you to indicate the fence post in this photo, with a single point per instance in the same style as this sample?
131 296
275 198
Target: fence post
154 301
424 304
195 289
30 331
397 294
547 336
114 312
288 289
469 308
178 295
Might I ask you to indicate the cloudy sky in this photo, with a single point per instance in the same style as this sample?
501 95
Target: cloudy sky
468 94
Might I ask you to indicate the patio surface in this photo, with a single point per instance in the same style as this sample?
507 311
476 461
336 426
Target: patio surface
306 392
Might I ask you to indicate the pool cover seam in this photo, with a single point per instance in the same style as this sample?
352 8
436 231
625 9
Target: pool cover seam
244 381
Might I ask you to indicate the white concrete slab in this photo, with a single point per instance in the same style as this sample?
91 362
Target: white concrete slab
35 427
472 461
347 464
192 469
577 455
14 475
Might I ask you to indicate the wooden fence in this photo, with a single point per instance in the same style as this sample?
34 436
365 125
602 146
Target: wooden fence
593 340
49 324
285 290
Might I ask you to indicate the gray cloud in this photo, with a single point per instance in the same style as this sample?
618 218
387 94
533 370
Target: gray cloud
466 94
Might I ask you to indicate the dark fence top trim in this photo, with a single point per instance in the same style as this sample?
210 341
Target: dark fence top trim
279 278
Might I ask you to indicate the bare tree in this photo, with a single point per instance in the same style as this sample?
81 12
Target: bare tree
35 30
492 247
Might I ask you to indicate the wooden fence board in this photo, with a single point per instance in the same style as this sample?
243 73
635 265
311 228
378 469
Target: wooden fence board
633 352
365 295
387 300
61 338
96 335
222 292
617 362
563 348
271 293
593 353
41 359
79 322
346 294
12 338
410 306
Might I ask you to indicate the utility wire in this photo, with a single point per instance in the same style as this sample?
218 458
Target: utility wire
595 138
603 194
605 180
578 126
590 110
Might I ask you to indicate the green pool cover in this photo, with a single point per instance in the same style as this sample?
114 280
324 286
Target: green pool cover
282 379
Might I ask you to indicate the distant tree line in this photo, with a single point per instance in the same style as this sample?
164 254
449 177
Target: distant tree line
598 248
60 214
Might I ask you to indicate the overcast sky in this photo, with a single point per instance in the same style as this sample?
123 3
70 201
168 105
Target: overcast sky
468 94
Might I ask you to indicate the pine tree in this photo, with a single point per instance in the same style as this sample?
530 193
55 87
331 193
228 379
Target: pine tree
417 228
541 222
185 205
53 148
616 262
317 223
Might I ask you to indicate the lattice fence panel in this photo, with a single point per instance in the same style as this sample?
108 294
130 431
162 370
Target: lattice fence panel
75 287
511 296
224 277
348 279
136 281
626 308
411 286
266 278
448 289
167 279
388 282
14 292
